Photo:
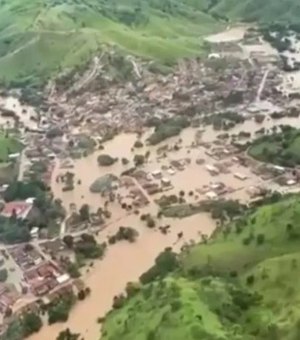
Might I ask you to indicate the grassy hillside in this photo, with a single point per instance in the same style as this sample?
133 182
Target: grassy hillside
259 10
239 285
41 37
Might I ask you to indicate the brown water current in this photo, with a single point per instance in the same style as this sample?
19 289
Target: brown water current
125 262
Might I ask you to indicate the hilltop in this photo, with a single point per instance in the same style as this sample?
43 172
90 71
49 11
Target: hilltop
238 285
266 11
40 38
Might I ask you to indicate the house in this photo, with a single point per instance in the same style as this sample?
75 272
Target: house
21 209
240 176
212 169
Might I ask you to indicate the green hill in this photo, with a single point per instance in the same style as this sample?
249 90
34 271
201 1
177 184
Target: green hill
259 10
239 285
41 37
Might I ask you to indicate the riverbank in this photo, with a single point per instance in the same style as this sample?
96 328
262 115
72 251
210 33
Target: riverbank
123 263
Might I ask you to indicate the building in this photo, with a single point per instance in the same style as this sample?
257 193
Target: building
21 209
240 176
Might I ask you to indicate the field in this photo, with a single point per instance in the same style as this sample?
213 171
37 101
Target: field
8 145
39 38
239 285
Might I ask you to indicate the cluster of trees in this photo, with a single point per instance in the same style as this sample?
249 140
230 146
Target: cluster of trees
224 121
124 233
22 190
24 326
83 293
46 210
106 160
166 200
150 222
88 248
166 262
13 231
168 128
68 335
59 309
278 148
138 160
223 209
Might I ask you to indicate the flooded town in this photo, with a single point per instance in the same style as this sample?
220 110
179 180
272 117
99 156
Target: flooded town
127 165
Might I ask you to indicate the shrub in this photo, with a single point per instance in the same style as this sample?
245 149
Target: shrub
139 160
106 160
3 275
73 270
250 280
138 144
31 323
150 222
118 301
260 239
176 305
124 161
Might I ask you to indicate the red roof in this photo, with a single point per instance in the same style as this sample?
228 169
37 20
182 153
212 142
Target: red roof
21 209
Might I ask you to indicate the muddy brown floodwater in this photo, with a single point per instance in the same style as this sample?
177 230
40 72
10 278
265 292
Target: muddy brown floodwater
125 262
24 112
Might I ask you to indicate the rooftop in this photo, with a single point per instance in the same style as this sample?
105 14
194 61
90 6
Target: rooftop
20 208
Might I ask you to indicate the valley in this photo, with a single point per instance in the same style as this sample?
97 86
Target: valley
154 178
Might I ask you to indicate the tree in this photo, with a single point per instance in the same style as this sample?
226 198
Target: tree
67 335
81 295
250 280
106 160
31 323
150 222
165 263
3 275
260 239
124 161
289 228
60 308
139 160
138 144
73 270
84 212
69 241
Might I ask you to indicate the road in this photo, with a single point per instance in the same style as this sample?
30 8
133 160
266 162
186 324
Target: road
11 54
262 85
22 165
88 76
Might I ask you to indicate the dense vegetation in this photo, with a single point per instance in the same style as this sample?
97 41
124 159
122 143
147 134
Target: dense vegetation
282 148
46 211
167 128
59 309
8 145
23 327
238 285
